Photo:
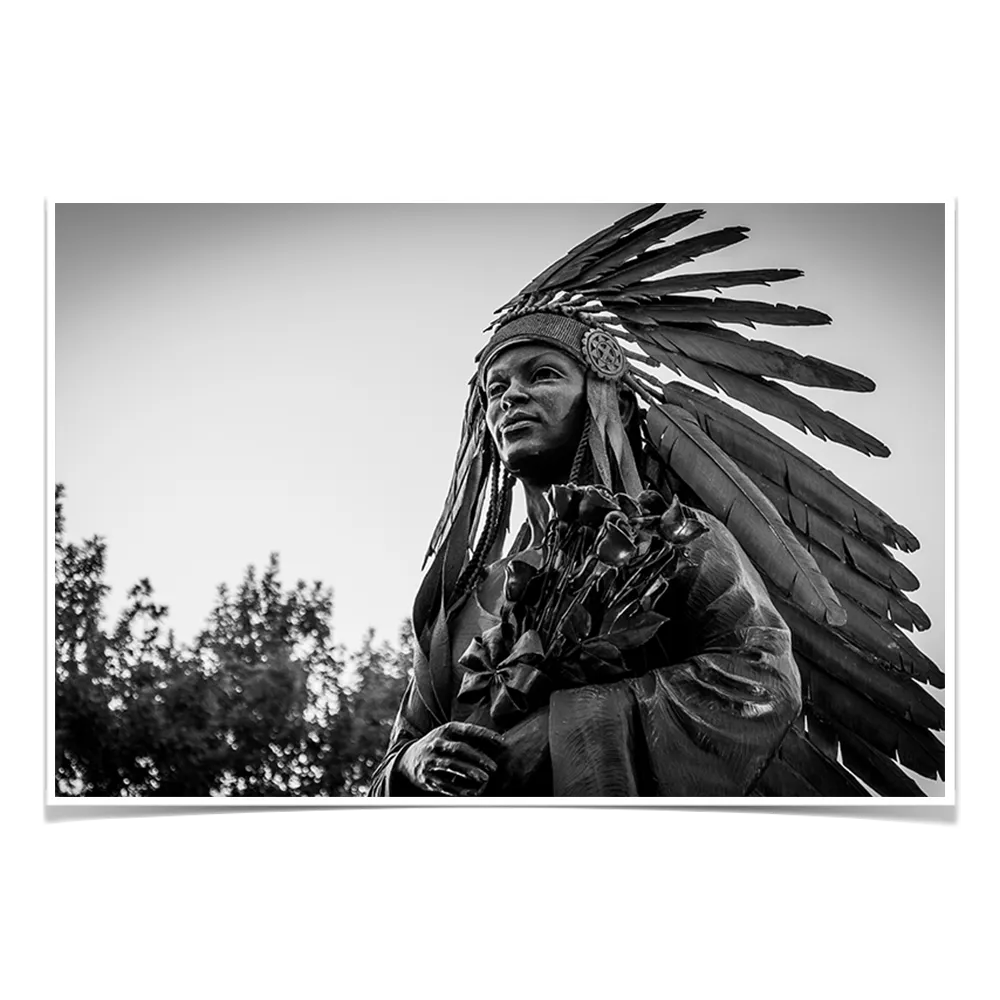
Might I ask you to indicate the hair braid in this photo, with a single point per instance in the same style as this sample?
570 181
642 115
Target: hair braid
582 450
471 574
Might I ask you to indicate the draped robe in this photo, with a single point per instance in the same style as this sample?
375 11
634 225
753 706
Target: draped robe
706 704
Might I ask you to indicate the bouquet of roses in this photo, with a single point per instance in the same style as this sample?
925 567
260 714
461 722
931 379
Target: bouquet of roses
575 605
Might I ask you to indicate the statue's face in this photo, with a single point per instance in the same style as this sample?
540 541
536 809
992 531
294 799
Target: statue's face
535 409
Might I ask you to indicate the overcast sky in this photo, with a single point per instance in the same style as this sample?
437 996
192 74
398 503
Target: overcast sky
237 380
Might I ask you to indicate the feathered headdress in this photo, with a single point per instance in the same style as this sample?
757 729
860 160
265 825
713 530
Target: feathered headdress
821 547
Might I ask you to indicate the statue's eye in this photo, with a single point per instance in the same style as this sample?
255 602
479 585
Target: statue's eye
545 372
494 389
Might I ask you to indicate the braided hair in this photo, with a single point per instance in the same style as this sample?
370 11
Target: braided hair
582 457
499 488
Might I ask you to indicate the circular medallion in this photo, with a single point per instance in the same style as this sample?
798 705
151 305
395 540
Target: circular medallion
603 354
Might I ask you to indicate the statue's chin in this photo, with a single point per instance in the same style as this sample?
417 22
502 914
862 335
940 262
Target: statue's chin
539 468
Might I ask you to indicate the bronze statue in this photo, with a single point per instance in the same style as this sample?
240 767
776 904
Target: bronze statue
703 610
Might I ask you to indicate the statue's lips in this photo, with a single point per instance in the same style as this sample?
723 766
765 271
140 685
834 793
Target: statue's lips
518 425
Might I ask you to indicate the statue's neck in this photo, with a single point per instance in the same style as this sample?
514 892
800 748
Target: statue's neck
538 511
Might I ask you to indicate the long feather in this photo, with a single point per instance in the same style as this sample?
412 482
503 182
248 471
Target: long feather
471 448
689 308
665 259
828 649
734 499
778 401
427 601
816 773
473 431
432 683
633 243
769 397
564 267
883 601
783 782
751 357
885 641
837 704
647 291
680 363
877 638
872 609
456 548
654 385
449 553
870 559
820 734
749 443
867 574
779 780
874 768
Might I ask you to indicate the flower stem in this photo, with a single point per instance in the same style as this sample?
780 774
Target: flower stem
552 594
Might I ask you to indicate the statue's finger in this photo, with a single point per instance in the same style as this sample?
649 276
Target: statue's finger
485 738
436 781
461 779
469 755
463 774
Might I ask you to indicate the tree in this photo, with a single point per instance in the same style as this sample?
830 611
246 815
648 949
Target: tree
256 705
371 704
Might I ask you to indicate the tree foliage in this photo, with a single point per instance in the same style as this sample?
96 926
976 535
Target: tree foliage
262 702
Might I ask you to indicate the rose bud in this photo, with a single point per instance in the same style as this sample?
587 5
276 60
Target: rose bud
651 502
671 519
677 528
565 502
687 531
615 547
595 505
517 574
619 517
628 505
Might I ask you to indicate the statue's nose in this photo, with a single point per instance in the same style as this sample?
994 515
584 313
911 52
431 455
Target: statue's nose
515 393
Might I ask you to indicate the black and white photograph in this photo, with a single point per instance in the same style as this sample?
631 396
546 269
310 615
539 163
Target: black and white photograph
464 502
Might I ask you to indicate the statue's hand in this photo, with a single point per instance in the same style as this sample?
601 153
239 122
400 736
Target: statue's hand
454 759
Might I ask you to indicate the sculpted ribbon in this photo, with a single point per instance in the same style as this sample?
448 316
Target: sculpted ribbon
508 683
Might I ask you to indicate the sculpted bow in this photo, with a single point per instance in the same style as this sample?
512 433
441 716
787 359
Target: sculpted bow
508 682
